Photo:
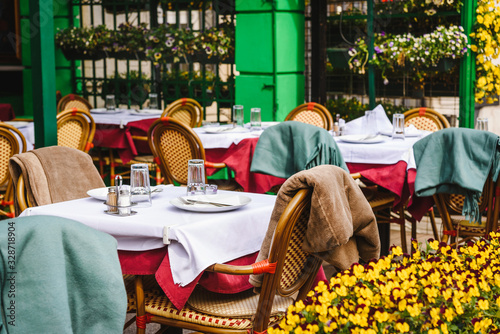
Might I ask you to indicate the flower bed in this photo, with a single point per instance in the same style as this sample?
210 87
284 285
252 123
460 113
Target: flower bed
440 290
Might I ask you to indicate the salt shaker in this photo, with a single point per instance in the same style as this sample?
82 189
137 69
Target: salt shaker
124 202
111 200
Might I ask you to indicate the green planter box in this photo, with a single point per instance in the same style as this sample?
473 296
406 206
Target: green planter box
338 57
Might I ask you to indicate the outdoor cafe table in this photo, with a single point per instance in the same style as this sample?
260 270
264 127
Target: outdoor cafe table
194 240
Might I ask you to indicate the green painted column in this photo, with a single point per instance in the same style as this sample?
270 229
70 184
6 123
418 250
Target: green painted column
467 70
371 51
270 56
41 20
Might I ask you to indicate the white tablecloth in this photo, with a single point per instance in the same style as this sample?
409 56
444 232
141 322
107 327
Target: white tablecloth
197 240
223 140
388 152
121 118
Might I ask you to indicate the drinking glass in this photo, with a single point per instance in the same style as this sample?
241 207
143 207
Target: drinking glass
140 189
110 102
482 124
153 101
238 115
255 118
196 177
370 123
398 126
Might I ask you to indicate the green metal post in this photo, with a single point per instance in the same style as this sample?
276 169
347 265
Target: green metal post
467 70
371 50
44 75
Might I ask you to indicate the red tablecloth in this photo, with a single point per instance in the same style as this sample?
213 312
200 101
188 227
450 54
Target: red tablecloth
239 158
120 138
417 206
156 262
6 112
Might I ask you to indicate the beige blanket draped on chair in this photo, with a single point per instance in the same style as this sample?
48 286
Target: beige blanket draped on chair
342 228
54 174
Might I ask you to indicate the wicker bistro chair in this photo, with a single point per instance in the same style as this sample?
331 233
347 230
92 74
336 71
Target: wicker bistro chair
426 119
312 113
456 226
76 129
430 120
73 101
186 110
12 142
173 144
288 271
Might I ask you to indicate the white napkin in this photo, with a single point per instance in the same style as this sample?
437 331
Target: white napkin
355 126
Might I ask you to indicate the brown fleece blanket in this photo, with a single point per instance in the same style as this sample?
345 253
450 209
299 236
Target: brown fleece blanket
54 174
342 228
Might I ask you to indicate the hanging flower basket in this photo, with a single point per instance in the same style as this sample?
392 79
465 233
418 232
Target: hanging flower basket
338 57
82 55
120 6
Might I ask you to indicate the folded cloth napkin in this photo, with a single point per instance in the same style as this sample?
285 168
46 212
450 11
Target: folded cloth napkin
355 127
457 161
341 227
289 147
54 174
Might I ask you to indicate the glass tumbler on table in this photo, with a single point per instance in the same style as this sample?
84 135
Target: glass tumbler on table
370 128
255 121
140 189
196 177
153 101
398 126
238 115
482 124
110 102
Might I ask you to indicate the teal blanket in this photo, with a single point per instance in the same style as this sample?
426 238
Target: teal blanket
457 161
59 276
290 147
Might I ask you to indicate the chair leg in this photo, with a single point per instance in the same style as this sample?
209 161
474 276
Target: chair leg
432 218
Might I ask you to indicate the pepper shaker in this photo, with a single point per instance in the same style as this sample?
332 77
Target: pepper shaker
111 200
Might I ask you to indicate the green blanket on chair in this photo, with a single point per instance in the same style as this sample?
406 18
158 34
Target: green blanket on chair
59 276
457 161
290 147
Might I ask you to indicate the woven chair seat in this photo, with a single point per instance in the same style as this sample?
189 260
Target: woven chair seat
239 305
468 227
160 305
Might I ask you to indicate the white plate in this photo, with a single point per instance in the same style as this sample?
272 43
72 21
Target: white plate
146 112
360 139
102 193
223 129
105 111
235 201
18 124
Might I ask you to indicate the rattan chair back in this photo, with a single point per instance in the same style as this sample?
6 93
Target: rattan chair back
73 101
426 119
173 144
312 113
295 269
12 142
187 110
76 129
